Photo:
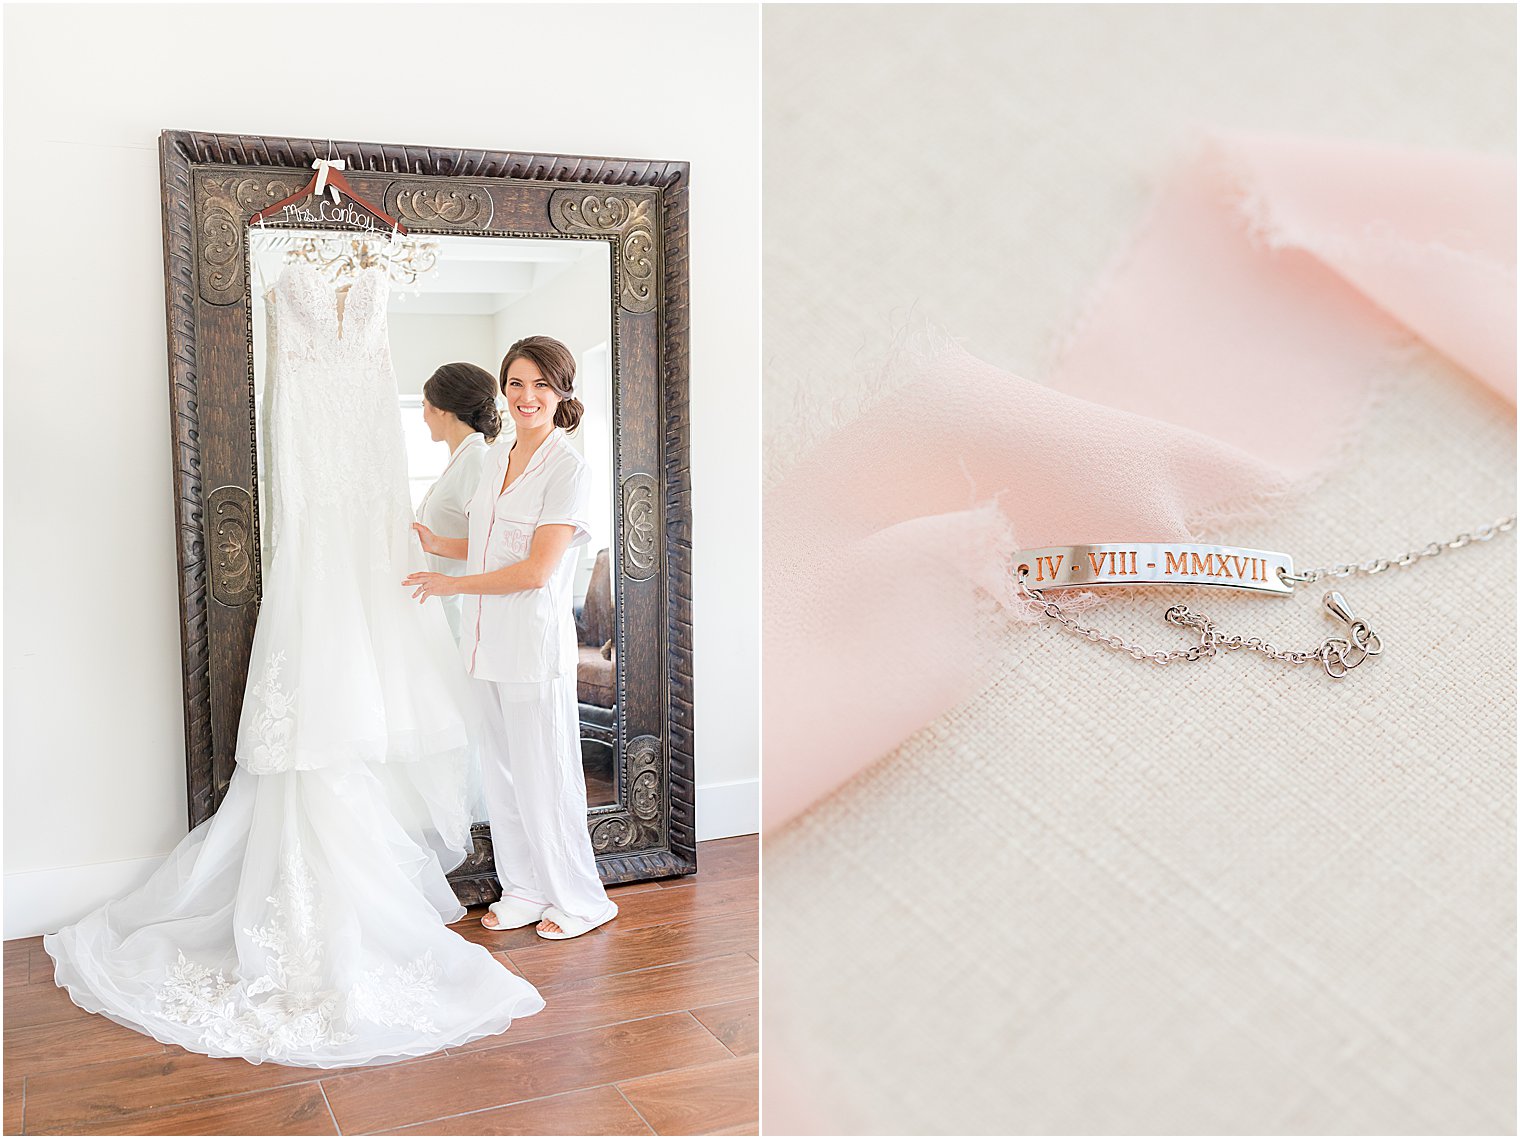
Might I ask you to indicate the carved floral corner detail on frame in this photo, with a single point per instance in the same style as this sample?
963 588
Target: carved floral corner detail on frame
224 203
639 826
630 218
234 579
456 206
641 527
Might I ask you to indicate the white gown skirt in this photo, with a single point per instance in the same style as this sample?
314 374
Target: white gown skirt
301 924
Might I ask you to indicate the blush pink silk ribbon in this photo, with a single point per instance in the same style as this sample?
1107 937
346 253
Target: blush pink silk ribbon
1229 350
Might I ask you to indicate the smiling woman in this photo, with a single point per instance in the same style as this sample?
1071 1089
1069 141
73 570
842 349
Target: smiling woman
529 511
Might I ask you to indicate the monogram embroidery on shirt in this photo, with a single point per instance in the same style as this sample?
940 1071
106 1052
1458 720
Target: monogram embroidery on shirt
515 542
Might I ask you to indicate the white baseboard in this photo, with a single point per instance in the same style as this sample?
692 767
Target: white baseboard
42 901
728 809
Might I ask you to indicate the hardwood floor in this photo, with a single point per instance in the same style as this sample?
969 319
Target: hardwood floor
651 1027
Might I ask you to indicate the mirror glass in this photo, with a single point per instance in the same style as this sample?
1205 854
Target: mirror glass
468 299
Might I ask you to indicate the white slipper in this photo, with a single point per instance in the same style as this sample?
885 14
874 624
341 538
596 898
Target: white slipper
514 913
573 926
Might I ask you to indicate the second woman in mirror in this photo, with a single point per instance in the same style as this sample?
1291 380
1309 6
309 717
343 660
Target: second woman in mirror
459 408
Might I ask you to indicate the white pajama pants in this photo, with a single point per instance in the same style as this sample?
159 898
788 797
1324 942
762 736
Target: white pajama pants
535 793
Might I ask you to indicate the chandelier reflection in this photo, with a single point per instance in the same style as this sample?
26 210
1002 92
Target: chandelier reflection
339 257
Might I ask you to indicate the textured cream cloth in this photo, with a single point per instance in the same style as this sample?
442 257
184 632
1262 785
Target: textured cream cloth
1104 897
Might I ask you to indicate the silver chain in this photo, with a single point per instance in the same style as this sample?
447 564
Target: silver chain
1337 655
1408 558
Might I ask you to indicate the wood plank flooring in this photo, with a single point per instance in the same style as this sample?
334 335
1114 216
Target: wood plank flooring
651 1027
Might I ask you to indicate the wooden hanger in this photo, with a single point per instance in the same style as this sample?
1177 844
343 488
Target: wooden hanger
328 176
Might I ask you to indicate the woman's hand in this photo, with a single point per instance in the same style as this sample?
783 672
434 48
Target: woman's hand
456 548
428 539
431 585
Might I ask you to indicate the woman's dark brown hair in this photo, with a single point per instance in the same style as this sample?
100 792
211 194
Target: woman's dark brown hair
469 392
556 364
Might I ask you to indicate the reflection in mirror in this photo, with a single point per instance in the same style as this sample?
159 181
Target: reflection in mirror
468 299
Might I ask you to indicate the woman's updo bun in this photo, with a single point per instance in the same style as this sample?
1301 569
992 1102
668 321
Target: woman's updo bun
469 392
555 363
487 420
568 413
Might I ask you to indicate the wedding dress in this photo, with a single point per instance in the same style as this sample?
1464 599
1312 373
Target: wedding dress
304 922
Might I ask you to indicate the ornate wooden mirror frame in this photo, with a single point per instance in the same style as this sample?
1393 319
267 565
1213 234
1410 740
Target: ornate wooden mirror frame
212 184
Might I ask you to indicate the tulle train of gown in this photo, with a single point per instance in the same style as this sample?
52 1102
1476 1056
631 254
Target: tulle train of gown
304 922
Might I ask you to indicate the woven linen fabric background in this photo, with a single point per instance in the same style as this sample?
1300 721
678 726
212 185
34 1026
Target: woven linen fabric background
1101 896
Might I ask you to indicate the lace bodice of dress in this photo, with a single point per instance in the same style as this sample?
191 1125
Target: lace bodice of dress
332 433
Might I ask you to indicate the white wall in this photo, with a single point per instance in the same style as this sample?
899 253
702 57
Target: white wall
574 306
94 742
421 341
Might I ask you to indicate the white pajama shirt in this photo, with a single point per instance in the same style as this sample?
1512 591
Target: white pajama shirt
442 510
522 647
